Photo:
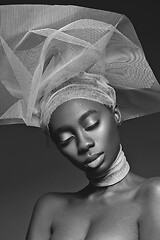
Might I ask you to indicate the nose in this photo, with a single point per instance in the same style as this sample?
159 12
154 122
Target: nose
84 144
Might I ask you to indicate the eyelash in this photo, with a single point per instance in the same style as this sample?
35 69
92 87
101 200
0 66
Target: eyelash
91 127
64 143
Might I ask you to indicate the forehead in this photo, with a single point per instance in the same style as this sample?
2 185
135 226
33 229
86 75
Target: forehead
72 110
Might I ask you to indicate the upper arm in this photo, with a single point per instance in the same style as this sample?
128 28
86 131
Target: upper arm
149 222
40 225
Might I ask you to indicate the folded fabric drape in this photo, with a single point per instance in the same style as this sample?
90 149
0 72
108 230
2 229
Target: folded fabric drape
42 47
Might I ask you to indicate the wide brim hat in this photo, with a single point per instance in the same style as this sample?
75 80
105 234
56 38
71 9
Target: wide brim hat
41 47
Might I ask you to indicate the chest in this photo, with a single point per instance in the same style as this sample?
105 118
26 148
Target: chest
97 222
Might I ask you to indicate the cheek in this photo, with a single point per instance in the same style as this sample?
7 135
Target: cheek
69 151
106 133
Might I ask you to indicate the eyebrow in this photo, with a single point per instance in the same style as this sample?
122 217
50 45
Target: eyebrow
86 114
81 119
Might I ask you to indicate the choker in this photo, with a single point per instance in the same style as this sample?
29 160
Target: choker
117 171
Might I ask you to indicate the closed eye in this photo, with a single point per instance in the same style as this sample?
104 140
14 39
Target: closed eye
66 142
93 126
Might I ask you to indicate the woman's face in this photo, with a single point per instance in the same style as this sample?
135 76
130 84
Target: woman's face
86 133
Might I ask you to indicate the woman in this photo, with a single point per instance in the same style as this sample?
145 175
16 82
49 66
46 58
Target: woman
126 209
116 203
68 91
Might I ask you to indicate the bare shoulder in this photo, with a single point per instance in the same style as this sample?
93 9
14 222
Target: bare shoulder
150 189
149 195
149 217
43 214
52 201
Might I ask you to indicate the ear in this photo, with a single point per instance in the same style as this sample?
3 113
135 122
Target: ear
117 115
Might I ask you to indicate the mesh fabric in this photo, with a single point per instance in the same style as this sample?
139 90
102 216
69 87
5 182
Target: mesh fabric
41 47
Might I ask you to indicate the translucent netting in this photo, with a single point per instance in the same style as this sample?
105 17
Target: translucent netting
44 46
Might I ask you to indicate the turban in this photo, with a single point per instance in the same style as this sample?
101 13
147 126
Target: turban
52 54
87 86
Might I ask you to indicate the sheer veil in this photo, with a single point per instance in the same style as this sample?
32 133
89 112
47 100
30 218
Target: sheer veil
43 46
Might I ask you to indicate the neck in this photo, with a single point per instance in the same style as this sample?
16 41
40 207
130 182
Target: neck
117 171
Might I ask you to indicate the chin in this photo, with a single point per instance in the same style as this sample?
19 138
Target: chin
97 173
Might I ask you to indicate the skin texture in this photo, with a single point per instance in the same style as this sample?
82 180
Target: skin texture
128 210
88 136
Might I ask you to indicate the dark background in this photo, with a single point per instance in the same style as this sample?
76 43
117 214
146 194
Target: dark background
30 167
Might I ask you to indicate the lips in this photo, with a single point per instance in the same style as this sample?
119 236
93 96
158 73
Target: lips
95 161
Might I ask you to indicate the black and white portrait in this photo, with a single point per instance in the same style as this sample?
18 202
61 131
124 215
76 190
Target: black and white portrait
79 121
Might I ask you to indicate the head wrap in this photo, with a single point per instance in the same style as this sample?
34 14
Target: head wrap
87 86
45 48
